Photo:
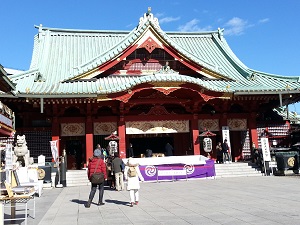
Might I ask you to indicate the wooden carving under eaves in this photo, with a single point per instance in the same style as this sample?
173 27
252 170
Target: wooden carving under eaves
167 90
157 110
206 97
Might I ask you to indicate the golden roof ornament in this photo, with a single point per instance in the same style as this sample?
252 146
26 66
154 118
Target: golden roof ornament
149 11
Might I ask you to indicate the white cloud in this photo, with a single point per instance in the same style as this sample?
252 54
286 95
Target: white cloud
193 26
265 20
168 19
236 26
158 15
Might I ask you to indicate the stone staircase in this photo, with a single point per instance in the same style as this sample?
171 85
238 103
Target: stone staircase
237 169
77 178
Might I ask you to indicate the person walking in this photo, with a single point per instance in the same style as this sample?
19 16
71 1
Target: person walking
225 149
132 175
117 167
219 153
96 165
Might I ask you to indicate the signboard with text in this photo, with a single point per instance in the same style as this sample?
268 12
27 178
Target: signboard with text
265 149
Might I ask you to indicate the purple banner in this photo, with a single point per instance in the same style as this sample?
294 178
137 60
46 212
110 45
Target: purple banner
177 171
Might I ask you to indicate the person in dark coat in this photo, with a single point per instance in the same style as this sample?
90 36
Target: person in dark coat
169 149
117 167
149 153
130 151
225 149
219 153
97 165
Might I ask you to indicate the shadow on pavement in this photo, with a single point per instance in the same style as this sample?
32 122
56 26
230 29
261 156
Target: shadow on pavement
116 202
80 202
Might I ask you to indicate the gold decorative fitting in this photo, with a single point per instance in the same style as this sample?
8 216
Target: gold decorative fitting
166 84
118 59
129 91
288 87
27 90
228 86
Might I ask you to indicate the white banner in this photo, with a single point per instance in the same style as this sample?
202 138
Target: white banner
171 172
225 135
265 149
54 149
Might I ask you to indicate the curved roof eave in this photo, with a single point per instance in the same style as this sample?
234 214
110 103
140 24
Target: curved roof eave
276 76
116 84
192 57
243 68
110 54
236 62
133 36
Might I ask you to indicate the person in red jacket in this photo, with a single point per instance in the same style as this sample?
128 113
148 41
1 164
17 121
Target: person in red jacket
96 164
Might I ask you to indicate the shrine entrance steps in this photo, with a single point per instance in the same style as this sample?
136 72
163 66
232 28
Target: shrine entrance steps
77 178
237 169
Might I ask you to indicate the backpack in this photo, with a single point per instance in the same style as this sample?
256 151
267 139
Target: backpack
131 171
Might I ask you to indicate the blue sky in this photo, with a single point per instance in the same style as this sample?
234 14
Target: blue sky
264 34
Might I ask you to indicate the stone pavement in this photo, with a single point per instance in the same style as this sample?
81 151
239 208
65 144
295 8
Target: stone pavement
240 200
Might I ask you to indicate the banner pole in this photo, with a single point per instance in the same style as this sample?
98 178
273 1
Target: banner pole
59 185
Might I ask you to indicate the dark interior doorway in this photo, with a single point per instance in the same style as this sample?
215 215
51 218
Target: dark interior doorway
75 154
156 144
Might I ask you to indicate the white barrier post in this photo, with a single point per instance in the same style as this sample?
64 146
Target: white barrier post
186 174
156 174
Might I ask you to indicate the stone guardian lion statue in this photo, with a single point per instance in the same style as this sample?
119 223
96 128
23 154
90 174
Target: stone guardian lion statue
21 152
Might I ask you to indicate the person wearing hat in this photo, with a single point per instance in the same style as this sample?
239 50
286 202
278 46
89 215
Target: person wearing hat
133 183
96 165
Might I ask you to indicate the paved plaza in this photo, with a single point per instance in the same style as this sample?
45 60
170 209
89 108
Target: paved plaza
240 200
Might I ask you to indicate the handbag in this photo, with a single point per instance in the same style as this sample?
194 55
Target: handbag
97 178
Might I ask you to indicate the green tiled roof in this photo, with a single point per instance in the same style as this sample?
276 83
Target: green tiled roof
5 84
60 55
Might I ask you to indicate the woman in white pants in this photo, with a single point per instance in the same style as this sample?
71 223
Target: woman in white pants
132 175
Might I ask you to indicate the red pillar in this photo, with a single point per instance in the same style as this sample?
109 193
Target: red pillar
89 138
195 134
253 130
122 141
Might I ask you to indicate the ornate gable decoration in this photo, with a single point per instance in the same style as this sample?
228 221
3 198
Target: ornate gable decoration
149 45
148 16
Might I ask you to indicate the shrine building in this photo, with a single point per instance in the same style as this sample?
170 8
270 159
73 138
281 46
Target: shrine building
149 87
